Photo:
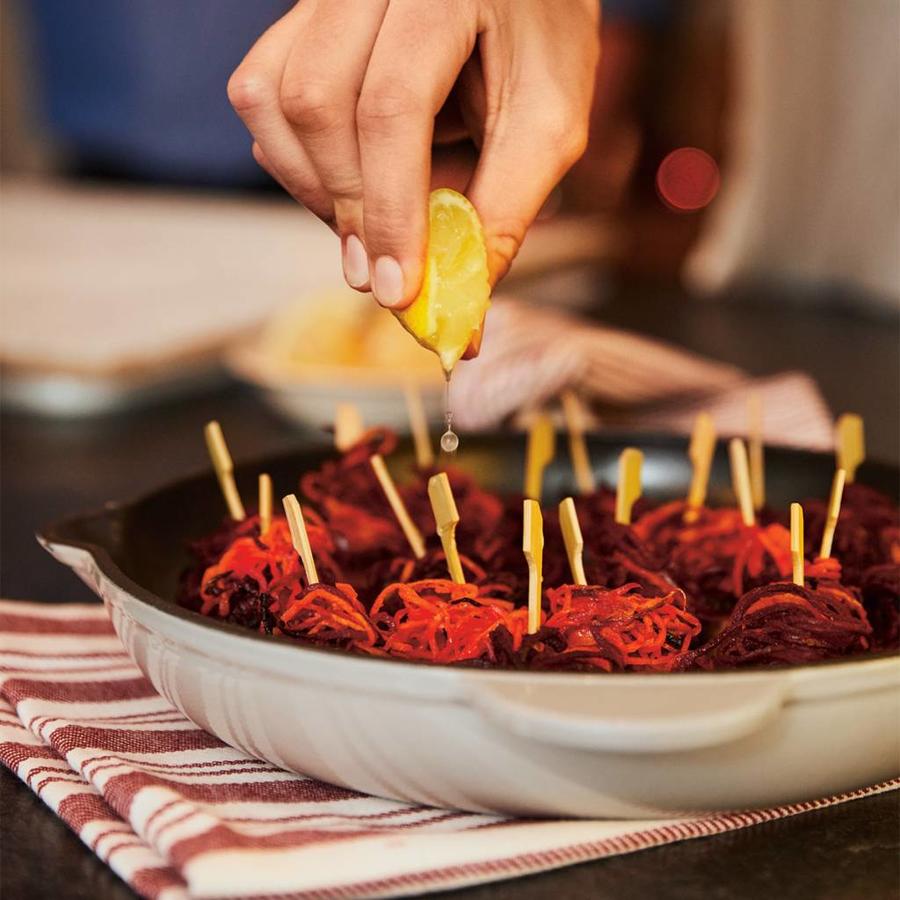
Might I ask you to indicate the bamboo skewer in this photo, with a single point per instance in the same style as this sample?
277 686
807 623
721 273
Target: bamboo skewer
446 518
700 452
797 543
538 454
533 548
418 426
348 426
740 479
756 450
299 537
412 534
571 532
834 512
850 444
265 503
574 413
628 489
224 467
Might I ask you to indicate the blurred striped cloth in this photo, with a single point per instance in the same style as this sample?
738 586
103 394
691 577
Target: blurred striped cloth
631 382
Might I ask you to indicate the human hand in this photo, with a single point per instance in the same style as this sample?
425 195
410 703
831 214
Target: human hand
358 108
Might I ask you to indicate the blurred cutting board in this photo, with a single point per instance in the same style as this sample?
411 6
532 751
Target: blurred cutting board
109 296
110 293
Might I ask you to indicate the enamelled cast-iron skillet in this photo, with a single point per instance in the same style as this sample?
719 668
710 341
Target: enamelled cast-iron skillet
546 743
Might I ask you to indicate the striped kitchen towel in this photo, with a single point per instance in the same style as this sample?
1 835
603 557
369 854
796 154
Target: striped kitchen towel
177 813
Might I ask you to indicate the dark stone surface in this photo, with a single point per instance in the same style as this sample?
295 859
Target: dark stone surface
53 468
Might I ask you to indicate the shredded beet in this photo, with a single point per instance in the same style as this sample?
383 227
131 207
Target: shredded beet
664 594
621 628
433 566
262 560
784 624
442 622
480 512
716 558
867 534
206 552
351 503
881 597
322 613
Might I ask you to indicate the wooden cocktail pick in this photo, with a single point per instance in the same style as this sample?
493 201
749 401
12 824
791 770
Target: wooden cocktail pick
446 518
756 451
418 426
574 413
221 460
538 454
833 513
797 542
265 503
849 444
533 548
700 452
348 426
412 534
740 479
571 532
299 537
628 489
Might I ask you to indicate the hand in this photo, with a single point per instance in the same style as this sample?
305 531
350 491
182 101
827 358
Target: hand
358 107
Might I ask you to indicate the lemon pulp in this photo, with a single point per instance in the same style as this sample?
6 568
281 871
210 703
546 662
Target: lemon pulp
455 295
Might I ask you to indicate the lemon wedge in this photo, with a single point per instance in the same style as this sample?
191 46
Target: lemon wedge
456 293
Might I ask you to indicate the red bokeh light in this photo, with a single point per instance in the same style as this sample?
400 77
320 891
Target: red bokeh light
687 179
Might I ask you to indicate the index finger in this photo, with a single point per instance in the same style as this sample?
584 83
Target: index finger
407 82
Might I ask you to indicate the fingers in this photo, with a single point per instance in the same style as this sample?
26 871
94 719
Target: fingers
253 90
413 66
536 127
320 88
520 164
341 99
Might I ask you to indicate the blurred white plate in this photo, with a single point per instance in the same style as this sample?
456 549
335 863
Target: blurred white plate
335 346
308 394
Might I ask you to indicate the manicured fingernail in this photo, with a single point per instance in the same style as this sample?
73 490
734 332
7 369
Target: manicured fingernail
388 285
356 262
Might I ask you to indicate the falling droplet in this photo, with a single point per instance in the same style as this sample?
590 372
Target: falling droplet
449 441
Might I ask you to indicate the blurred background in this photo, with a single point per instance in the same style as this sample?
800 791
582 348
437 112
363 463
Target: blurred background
739 200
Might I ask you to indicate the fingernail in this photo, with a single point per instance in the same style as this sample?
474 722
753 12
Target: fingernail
388 285
356 262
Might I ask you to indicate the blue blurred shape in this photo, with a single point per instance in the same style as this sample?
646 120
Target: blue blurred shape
139 85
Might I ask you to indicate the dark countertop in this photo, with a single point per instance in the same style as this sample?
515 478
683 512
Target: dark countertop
53 468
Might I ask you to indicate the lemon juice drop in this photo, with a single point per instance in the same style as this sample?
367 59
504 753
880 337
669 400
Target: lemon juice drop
449 439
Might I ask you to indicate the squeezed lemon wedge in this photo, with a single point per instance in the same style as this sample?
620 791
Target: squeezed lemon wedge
449 310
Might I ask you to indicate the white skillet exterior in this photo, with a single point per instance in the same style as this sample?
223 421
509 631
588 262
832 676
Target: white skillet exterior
620 746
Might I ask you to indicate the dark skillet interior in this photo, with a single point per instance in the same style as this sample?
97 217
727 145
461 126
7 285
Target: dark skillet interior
147 539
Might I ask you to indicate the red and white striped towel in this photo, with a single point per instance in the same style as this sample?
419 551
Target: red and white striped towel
177 813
